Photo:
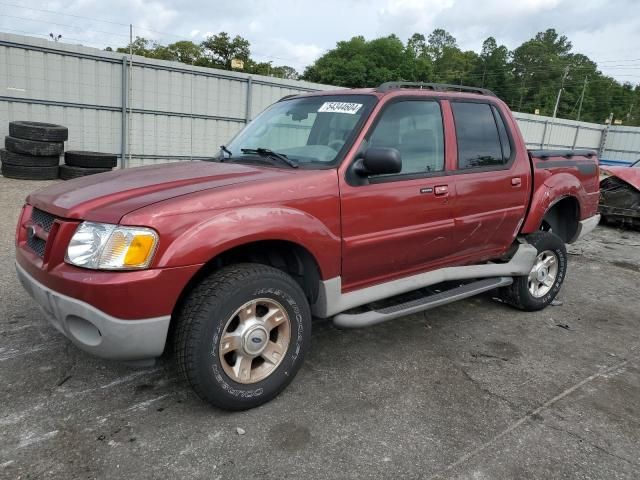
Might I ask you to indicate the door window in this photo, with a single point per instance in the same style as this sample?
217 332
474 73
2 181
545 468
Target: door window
478 138
415 129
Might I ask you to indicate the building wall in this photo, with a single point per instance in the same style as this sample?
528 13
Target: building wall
171 111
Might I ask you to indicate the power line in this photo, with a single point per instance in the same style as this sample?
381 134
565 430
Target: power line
61 25
46 35
488 73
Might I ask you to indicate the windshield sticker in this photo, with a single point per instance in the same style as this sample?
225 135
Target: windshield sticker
340 107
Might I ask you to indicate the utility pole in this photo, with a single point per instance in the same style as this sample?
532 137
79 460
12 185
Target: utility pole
130 124
584 87
524 76
555 109
564 77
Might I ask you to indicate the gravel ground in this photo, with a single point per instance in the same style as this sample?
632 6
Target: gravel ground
470 390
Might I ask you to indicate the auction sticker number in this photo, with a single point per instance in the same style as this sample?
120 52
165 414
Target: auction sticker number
340 107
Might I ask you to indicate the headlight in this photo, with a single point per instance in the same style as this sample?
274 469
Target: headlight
111 247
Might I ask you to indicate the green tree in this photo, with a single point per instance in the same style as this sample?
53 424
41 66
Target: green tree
140 46
361 63
220 49
183 51
439 40
492 68
538 66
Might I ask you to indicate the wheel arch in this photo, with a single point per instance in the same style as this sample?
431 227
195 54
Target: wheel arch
288 256
562 218
557 204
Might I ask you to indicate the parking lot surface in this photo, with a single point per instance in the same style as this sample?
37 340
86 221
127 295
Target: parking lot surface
472 390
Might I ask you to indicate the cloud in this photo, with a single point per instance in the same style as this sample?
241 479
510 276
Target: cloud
296 32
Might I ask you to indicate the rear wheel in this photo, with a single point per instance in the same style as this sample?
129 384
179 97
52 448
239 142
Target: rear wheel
242 335
538 289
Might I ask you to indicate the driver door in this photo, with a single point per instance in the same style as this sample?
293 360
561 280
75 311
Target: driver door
401 224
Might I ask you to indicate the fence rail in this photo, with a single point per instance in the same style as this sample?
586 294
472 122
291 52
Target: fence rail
173 111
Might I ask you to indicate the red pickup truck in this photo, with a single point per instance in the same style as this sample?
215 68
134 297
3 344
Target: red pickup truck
357 205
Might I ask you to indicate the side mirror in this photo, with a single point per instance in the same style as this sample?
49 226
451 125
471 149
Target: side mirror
379 161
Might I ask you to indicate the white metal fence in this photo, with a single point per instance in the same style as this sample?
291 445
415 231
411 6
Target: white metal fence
164 111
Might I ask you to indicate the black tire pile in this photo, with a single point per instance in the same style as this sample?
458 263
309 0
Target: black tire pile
80 164
32 152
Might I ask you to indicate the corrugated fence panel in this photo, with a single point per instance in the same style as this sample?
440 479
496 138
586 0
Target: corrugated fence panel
57 77
544 132
181 112
623 143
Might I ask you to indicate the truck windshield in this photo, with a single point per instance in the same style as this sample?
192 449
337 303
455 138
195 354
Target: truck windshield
309 132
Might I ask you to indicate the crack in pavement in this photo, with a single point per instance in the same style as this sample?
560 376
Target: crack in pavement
588 442
487 391
463 458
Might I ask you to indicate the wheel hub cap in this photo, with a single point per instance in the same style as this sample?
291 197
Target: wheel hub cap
544 273
254 340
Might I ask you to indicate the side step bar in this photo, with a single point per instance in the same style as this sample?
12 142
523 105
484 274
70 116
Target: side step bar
371 317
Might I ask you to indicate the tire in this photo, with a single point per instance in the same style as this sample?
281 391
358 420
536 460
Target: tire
22 172
519 293
67 172
18 159
208 313
90 159
33 147
42 132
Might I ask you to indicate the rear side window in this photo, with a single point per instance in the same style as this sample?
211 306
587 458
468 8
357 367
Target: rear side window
477 134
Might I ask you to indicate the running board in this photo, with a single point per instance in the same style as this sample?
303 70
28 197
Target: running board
371 317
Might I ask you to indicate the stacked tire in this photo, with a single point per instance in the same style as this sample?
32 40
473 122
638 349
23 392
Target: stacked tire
32 150
80 164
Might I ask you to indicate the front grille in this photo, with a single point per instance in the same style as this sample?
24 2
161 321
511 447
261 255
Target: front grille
44 220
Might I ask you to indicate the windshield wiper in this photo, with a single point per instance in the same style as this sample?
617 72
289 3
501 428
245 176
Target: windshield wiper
265 152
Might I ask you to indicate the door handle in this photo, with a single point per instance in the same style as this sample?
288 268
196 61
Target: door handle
441 190
516 182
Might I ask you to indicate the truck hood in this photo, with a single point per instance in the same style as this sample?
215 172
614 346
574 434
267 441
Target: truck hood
629 175
107 197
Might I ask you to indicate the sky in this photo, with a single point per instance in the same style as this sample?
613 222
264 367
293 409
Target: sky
295 33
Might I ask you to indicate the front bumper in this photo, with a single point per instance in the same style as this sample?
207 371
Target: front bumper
95 331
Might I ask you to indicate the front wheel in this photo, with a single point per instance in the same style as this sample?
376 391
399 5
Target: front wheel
538 289
242 335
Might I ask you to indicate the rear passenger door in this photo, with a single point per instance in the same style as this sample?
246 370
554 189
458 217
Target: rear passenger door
492 181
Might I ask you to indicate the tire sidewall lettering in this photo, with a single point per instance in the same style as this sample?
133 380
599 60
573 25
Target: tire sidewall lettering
293 352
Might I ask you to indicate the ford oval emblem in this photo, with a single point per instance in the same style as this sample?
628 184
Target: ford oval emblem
256 339
31 231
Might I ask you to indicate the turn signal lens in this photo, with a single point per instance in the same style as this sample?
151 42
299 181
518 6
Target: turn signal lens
139 250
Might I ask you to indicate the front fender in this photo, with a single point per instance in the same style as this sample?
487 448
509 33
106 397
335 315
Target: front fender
553 189
222 230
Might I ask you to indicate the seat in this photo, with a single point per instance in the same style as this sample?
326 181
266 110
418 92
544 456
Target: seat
418 150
